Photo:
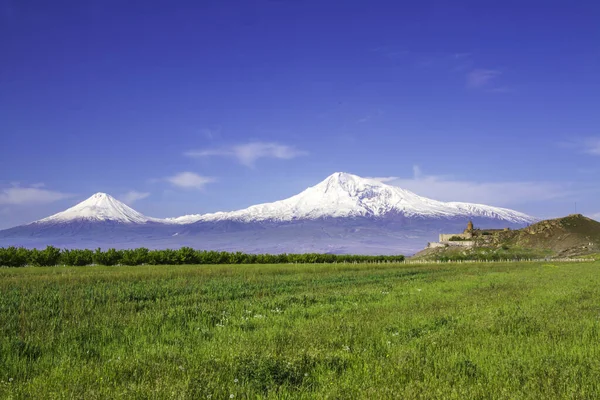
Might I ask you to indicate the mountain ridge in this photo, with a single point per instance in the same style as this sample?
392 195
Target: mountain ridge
347 195
342 214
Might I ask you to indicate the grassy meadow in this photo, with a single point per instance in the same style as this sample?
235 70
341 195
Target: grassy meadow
345 331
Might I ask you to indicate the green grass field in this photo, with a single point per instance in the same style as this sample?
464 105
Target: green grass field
464 331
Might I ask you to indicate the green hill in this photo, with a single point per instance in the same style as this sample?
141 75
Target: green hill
574 235
568 236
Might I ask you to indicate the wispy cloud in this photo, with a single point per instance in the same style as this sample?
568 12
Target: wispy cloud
370 116
595 216
448 188
461 56
190 180
384 179
132 196
391 52
248 154
501 89
591 145
587 145
30 195
479 78
464 63
210 133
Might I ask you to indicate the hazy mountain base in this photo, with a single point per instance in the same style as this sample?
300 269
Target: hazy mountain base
370 236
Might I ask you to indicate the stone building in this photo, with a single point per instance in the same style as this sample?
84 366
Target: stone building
456 237
468 238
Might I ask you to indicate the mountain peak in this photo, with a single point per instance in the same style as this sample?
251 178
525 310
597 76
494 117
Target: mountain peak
347 183
98 207
100 195
342 175
345 177
342 195
100 198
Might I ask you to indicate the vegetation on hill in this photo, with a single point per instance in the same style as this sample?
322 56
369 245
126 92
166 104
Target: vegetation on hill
19 257
568 236
466 331
483 253
571 236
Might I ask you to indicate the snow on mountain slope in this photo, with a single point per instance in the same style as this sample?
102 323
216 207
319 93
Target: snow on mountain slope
341 195
347 195
99 207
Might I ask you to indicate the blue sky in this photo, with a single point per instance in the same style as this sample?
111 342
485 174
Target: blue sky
191 107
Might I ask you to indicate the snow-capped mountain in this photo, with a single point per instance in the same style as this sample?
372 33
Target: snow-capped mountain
100 207
344 195
343 214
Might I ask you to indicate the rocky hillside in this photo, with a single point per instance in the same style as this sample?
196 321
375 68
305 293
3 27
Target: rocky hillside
571 235
574 235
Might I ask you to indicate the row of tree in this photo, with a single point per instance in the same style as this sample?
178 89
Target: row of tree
20 257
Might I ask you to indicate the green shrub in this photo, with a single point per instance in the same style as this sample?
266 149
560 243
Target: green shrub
108 257
457 239
135 256
77 257
18 257
14 256
44 258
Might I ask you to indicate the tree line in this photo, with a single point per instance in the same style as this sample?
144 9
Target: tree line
51 256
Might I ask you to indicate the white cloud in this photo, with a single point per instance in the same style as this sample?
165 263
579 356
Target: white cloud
595 216
248 154
30 195
591 146
383 179
447 188
211 134
479 78
588 145
189 180
132 196
368 117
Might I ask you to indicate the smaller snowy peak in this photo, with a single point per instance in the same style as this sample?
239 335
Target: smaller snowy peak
99 207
